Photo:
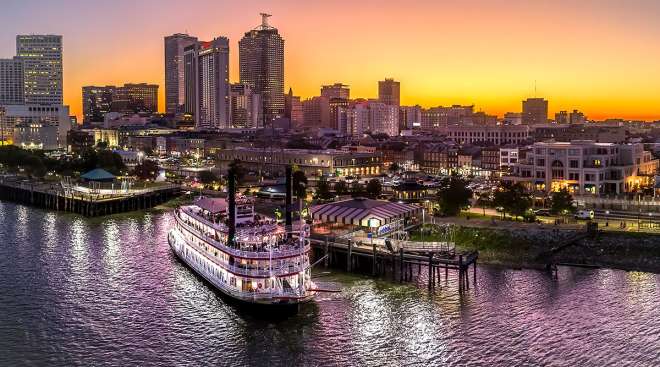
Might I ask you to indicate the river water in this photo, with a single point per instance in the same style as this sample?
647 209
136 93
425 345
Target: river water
97 292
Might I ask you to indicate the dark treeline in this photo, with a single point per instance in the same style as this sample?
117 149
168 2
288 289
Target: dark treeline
37 164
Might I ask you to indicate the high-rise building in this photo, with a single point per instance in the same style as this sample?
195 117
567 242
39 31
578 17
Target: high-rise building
383 118
358 119
245 107
175 91
190 78
293 109
135 98
209 73
42 67
337 90
316 111
11 81
97 101
389 92
534 111
410 117
261 62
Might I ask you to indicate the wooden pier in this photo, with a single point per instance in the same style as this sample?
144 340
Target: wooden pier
402 263
54 196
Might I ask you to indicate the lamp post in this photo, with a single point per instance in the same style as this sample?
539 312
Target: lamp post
607 218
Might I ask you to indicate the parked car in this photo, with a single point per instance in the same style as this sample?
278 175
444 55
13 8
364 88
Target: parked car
584 214
542 211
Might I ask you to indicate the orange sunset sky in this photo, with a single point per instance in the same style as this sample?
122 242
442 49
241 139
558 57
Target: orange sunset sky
602 57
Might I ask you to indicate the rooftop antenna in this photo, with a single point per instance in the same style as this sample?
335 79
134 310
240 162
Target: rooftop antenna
535 94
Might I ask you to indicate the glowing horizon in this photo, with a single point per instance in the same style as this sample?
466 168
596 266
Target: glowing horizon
599 57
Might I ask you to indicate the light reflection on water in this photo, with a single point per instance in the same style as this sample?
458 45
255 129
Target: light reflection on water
110 292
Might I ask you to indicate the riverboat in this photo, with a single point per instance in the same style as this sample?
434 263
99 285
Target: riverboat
252 259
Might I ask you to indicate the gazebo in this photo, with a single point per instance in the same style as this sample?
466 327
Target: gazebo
98 175
364 212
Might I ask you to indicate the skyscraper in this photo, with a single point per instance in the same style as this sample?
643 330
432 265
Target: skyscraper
261 62
207 83
175 90
42 66
389 92
383 118
11 81
534 111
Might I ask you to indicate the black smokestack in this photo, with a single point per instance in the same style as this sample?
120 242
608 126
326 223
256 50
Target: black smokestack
231 215
288 217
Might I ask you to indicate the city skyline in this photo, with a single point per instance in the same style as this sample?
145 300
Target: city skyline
597 57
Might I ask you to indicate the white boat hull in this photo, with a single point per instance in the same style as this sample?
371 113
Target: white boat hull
204 267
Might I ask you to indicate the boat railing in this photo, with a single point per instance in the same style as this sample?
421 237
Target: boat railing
263 255
262 273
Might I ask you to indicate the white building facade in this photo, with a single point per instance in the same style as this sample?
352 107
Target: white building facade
586 167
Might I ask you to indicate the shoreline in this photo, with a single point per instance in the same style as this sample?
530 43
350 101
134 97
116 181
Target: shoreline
529 249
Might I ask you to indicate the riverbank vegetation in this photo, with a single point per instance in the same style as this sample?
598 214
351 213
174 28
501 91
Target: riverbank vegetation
38 163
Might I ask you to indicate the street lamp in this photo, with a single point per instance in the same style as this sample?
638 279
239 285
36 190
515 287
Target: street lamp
607 218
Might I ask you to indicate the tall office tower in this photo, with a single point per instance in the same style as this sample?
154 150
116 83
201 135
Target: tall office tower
389 92
410 117
190 78
358 119
245 107
97 101
261 62
42 66
337 90
11 81
210 75
175 90
293 109
383 118
135 98
534 111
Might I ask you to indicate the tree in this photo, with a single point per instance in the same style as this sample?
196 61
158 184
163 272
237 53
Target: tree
561 202
300 184
484 200
394 167
110 161
357 189
207 177
237 169
323 189
147 170
341 188
374 188
453 195
513 199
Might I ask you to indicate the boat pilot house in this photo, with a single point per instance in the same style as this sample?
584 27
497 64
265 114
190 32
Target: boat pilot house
376 217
